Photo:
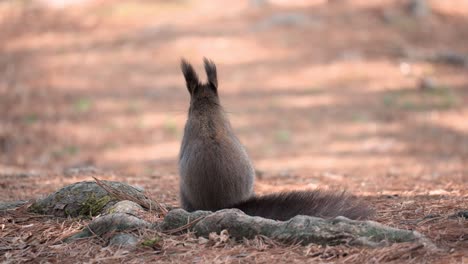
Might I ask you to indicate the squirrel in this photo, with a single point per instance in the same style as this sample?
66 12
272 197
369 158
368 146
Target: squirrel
216 171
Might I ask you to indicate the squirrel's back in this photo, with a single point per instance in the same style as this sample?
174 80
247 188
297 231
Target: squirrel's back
215 170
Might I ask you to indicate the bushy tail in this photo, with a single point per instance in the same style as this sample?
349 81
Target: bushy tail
325 204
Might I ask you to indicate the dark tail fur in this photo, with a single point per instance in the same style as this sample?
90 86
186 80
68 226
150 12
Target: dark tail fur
325 204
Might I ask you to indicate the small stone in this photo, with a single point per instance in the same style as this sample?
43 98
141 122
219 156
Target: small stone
125 206
286 19
351 55
451 58
124 240
81 170
109 224
427 84
419 8
202 241
405 68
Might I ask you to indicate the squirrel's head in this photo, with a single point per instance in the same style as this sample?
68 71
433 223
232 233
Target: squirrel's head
202 95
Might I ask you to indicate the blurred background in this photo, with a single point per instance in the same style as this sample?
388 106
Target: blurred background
367 95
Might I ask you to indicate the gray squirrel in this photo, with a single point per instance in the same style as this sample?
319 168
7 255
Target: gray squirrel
216 171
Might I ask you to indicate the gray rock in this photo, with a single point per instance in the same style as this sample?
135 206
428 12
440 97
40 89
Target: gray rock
127 207
124 240
81 199
110 223
179 217
306 229
11 205
80 170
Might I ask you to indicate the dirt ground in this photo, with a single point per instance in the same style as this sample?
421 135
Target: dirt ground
367 96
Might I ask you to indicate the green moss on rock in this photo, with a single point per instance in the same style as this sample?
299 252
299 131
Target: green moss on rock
94 205
152 242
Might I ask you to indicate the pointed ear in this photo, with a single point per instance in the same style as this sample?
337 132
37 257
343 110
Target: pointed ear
191 77
210 69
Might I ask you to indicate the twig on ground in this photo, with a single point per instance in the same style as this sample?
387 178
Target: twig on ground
187 226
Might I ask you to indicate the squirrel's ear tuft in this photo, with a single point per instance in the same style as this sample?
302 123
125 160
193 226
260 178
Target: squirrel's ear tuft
191 77
210 69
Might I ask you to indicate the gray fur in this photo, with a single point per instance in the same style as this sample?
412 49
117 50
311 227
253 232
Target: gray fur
191 77
215 170
211 73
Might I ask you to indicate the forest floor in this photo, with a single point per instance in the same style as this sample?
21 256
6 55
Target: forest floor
356 95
